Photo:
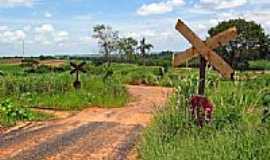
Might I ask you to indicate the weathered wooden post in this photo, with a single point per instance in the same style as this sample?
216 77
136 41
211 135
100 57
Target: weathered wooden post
201 90
204 50
200 107
77 68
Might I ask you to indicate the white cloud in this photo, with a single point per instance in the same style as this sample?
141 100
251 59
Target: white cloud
159 8
260 17
13 3
20 35
47 34
259 2
12 36
220 4
45 28
27 28
47 15
3 28
61 36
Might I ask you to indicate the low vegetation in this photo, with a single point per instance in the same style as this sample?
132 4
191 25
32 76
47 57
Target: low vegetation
10 113
101 86
239 129
259 65
52 90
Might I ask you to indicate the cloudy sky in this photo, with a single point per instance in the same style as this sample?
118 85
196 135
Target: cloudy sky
65 26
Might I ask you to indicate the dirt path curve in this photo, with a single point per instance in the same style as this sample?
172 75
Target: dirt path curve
89 135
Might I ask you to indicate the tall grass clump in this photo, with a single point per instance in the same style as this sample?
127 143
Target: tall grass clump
45 83
236 130
55 90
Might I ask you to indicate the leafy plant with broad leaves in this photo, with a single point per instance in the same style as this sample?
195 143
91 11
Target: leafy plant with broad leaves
13 112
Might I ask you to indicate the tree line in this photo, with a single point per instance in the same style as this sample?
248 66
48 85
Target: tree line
127 48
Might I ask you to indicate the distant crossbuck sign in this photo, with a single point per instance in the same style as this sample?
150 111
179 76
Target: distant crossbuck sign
77 68
204 49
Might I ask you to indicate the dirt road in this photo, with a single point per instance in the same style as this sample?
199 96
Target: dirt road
92 134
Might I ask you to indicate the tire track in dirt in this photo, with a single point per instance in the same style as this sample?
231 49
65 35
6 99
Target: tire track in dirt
92 134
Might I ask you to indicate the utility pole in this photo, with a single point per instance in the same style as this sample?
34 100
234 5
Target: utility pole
23 47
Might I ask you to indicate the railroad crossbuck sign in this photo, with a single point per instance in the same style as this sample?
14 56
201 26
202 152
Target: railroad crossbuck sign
77 68
204 49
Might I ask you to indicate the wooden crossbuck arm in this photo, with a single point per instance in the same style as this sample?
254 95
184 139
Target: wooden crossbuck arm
81 65
211 56
214 42
73 64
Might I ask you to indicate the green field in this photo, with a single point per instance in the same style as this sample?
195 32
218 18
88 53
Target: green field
55 91
259 65
236 130
43 87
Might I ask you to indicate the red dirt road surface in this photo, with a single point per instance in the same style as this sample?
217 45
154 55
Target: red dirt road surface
92 134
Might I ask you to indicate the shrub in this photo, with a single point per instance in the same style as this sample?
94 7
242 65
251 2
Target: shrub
13 113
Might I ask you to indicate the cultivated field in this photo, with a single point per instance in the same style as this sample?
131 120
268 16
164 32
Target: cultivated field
239 128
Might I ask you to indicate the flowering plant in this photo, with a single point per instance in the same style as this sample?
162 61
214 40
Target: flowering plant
201 110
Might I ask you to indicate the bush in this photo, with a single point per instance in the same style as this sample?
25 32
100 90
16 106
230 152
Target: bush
8 109
10 113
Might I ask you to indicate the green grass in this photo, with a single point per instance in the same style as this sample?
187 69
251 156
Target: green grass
9 69
259 65
56 91
236 131
10 113
6 121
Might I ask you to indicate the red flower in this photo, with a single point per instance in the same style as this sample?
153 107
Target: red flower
201 109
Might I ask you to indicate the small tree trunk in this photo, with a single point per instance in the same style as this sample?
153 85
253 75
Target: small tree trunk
108 57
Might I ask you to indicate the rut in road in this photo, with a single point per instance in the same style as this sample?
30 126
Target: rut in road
92 134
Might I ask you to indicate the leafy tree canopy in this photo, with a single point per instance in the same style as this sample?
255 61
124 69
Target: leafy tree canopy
252 42
144 48
107 39
127 47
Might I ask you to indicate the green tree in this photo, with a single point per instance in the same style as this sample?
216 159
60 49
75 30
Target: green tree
144 48
107 40
251 43
127 47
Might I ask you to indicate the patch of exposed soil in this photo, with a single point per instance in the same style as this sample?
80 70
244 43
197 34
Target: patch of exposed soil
94 133
54 63
55 113
18 61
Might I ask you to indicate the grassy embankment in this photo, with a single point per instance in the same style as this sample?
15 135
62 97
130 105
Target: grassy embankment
236 131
